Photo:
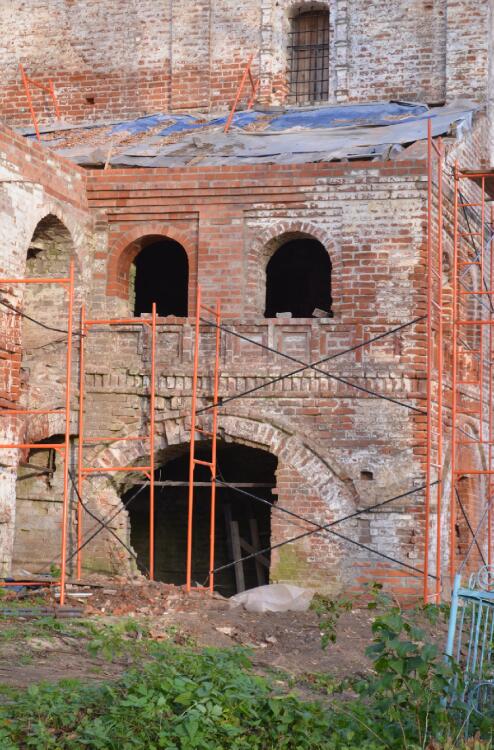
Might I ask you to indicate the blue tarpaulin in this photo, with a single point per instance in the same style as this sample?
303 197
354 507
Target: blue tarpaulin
345 115
318 117
354 131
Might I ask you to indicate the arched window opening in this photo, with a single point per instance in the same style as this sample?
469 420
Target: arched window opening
298 280
240 520
48 255
308 55
161 275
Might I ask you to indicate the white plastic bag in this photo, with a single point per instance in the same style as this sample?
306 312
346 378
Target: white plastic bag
277 597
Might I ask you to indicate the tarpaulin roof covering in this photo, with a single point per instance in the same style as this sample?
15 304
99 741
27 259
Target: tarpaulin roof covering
326 133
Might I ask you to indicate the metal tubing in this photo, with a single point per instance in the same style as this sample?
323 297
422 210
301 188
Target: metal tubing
452 619
454 405
115 439
440 367
118 321
481 330
105 469
33 446
490 394
242 83
66 467
25 81
429 368
151 439
192 444
37 280
212 539
80 452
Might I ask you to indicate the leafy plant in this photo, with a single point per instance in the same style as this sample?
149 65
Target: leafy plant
329 612
179 701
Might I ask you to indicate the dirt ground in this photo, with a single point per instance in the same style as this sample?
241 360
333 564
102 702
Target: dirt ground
289 642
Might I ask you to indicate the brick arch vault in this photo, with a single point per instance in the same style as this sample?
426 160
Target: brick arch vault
308 483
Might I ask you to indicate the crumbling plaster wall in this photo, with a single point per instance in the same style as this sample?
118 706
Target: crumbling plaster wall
115 58
33 185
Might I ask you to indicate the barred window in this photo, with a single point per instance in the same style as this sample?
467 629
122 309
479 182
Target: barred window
308 54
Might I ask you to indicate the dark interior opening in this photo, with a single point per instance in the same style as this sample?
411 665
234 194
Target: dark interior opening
298 280
236 464
162 276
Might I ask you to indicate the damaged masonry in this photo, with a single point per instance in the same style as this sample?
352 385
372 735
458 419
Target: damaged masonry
245 299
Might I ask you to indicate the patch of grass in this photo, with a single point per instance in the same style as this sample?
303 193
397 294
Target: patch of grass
179 700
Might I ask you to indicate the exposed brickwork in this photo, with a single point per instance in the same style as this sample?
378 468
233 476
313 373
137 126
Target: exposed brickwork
338 448
111 59
33 185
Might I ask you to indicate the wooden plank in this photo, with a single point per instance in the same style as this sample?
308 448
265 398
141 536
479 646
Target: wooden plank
256 543
236 549
246 547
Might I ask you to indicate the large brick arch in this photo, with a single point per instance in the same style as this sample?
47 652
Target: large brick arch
266 244
129 244
323 475
298 460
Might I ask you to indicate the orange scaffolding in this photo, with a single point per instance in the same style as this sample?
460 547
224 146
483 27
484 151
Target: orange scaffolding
472 352
254 84
435 358
64 448
50 89
148 471
212 433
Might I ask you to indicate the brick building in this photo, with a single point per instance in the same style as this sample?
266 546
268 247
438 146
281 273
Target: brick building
273 239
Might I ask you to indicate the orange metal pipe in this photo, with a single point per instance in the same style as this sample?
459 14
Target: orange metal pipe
429 367
192 444
119 321
491 375
238 94
481 330
110 439
65 508
37 280
34 446
454 405
440 365
55 100
105 469
25 81
80 453
212 526
203 463
151 438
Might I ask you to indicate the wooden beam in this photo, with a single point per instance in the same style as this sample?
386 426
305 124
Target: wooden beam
172 483
252 551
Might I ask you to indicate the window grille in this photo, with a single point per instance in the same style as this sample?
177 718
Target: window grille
308 54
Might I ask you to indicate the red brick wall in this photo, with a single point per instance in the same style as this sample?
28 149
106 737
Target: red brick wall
111 60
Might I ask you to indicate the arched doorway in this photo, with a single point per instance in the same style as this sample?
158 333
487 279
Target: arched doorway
160 273
298 279
238 517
